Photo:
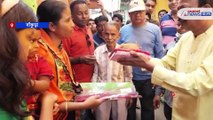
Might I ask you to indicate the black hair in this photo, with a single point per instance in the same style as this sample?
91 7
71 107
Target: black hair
119 16
100 18
128 21
203 2
149 15
163 10
14 78
74 3
91 19
50 11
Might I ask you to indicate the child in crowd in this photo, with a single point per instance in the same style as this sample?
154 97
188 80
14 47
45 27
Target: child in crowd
15 45
110 71
40 74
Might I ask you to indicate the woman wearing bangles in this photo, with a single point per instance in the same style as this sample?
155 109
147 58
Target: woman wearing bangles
58 15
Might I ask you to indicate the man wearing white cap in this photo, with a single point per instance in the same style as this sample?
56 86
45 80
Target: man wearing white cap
148 37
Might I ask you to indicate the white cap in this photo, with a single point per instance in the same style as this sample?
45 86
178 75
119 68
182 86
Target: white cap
136 5
7 5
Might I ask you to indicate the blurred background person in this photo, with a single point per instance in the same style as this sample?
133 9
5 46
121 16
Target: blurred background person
150 8
98 36
118 18
161 13
168 23
91 24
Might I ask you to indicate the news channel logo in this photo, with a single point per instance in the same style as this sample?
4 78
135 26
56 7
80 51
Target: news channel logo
195 13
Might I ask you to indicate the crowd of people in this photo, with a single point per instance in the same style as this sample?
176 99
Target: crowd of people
41 70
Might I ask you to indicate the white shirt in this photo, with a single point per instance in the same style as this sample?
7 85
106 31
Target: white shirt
107 70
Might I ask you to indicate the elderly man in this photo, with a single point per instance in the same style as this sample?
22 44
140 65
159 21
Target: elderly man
148 37
187 69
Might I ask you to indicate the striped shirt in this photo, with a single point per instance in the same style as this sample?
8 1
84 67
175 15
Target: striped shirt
168 28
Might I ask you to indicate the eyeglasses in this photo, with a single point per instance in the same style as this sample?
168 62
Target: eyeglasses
88 40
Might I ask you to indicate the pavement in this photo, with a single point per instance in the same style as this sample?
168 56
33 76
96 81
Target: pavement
159 115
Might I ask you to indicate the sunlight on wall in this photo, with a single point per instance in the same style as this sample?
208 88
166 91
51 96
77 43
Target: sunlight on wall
161 4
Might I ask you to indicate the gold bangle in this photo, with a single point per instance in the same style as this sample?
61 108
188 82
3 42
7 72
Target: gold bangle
66 106
34 83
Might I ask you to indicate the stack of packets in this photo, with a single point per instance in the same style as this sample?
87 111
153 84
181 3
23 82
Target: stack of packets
107 90
121 53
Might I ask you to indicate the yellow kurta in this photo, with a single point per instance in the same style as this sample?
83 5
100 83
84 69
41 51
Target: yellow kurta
187 70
